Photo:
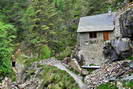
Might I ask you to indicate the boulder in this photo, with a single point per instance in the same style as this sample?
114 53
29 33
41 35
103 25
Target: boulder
131 65
74 64
117 49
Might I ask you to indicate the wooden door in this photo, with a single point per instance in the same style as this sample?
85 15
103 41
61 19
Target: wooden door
106 36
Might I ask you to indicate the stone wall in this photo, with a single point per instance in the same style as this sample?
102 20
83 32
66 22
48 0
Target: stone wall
92 49
117 32
85 40
93 53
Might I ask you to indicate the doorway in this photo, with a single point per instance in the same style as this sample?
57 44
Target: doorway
105 36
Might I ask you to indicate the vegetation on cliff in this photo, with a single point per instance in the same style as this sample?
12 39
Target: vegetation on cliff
44 28
54 78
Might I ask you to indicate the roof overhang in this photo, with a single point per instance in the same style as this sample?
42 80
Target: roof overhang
97 23
95 29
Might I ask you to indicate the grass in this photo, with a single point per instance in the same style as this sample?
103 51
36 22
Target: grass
54 78
125 84
51 78
107 86
58 79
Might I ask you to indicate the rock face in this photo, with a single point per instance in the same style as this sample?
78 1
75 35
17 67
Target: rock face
117 49
74 64
78 55
126 24
121 47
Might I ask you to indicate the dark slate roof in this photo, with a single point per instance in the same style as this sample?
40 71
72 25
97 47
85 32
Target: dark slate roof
101 22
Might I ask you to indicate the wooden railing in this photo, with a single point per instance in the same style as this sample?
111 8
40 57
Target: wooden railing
124 8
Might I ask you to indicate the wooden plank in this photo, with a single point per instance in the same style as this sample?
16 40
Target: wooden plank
90 67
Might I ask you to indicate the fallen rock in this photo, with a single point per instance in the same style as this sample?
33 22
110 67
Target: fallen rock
84 72
107 72
117 49
131 65
74 64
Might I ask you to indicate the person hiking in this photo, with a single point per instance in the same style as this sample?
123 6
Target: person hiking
14 63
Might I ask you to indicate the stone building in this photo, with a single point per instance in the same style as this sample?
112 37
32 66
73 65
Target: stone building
92 32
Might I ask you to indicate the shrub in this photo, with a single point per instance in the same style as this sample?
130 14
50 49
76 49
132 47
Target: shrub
6 38
44 52
65 53
128 84
130 58
54 78
107 86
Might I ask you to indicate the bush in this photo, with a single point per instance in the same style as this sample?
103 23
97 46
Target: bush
128 84
54 78
6 38
130 58
44 52
50 77
107 86
65 53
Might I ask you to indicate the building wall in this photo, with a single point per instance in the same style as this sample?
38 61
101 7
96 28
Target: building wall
117 32
93 48
85 40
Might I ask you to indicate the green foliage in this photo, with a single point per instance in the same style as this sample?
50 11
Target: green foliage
91 70
51 78
59 4
48 25
40 23
45 52
14 10
107 86
6 42
54 78
130 58
128 84
12 76
26 61
50 22
64 53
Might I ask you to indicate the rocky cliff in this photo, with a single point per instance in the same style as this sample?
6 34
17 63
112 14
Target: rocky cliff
126 24
121 47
